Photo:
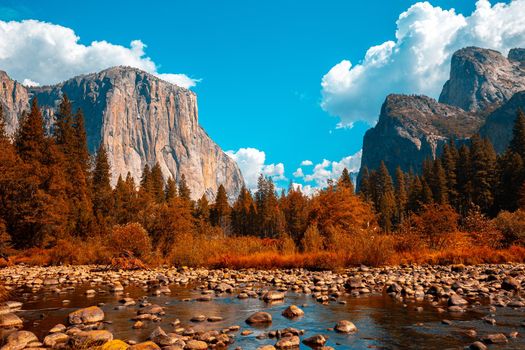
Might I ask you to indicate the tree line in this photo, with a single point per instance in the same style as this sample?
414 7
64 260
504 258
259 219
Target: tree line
471 177
52 189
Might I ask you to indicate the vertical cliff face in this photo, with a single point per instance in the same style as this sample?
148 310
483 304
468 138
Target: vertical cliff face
482 79
413 128
482 83
14 99
141 120
499 124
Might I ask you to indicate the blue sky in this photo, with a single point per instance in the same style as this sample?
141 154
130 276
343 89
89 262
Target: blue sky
260 63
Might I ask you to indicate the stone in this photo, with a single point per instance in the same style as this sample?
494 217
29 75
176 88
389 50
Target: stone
58 328
18 340
90 314
315 341
456 300
477 345
497 338
510 284
9 320
196 345
292 342
260 317
91 338
115 345
149 345
293 311
273 296
345 326
53 339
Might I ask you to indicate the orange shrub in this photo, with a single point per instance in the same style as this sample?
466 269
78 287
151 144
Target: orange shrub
130 240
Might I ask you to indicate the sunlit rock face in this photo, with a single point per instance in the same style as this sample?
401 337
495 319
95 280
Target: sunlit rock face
481 79
141 120
483 93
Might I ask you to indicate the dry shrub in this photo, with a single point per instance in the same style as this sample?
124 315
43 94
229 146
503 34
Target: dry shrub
435 224
32 256
483 230
79 252
371 248
312 241
512 225
287 245
130 240
4 293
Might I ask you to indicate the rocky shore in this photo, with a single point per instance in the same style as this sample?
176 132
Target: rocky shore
447 290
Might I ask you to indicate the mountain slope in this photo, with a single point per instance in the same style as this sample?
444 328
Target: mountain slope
412 128
141 120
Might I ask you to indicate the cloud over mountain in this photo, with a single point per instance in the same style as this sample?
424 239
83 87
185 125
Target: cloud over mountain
417 61
40 53
251 161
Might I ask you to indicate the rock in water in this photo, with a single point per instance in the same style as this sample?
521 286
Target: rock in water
90 314
260 317
293 311
141 120
345 326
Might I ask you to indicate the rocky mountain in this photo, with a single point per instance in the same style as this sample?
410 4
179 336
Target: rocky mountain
141 120
482 79
499 124
412 128
482 95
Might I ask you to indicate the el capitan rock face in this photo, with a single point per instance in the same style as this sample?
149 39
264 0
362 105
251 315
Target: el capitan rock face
482 79
412 128
141 120
482 95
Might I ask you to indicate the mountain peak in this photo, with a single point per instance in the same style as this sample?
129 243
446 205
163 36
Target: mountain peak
483 79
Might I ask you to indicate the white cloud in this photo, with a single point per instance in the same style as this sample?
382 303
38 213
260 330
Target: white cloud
251 161
326 170
36 52
308 190
418 60
307 162
298 173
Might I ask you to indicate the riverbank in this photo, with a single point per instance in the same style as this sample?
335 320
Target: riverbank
474 299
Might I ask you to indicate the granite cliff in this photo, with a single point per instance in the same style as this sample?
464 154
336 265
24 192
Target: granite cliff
141 120
482 95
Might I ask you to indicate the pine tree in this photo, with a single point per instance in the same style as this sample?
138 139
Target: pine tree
220 214
295 210
43 208
184 190
464 179
156 184
415 194
345 180
483 172
439 183
202 210
449 160
170 190
517 143
243 213
30 140
401 195
427 196
102 192
386 198
364 184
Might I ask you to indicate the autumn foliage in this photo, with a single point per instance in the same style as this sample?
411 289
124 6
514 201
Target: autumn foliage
63 210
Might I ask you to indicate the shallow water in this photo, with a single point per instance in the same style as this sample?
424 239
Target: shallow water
382 322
